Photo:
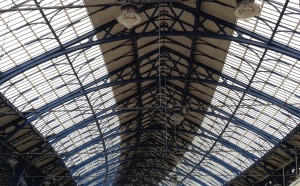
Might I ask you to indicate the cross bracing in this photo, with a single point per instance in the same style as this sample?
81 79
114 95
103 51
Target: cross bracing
100 108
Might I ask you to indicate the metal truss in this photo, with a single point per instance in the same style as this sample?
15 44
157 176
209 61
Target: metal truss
104 29
201 79
269 170
134 97
30 150
132 104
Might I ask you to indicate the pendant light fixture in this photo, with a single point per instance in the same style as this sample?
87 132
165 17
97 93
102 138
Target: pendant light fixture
177 115
13 161
129 16
246 9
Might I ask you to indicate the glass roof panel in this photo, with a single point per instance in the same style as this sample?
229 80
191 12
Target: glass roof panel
27 34
249 124
254 124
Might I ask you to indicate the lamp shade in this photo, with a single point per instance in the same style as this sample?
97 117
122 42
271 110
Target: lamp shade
129 16
246 9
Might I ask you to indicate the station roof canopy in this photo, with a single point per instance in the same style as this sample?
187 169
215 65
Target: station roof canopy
191 95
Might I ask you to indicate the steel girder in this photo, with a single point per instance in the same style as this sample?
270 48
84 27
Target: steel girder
210 136
111 133
275 171
97 30
116 160
133 159
115 132
11 106
200 79
31 152
85 122
171 149
139 92
135 168
135 131
192 50
179 172
112 181
274 30
158 169
130 132
146 163
105 113
114 113
116 148
113 107
263 40
113 148
91 120
77 78
91 172
67 47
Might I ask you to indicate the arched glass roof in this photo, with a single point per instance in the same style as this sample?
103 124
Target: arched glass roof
28 34
107 110
260 70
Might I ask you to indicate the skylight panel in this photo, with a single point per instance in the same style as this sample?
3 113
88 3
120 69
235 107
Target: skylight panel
275 76
26 35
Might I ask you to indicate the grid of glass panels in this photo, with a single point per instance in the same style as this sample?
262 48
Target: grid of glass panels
25 35
277 75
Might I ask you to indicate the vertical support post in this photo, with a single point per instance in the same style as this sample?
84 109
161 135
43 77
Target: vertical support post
283 179
15 174
296 166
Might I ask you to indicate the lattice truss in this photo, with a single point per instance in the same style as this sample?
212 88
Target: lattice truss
53 70
31 152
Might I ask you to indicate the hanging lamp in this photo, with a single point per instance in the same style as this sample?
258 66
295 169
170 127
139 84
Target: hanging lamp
129 16
246 9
